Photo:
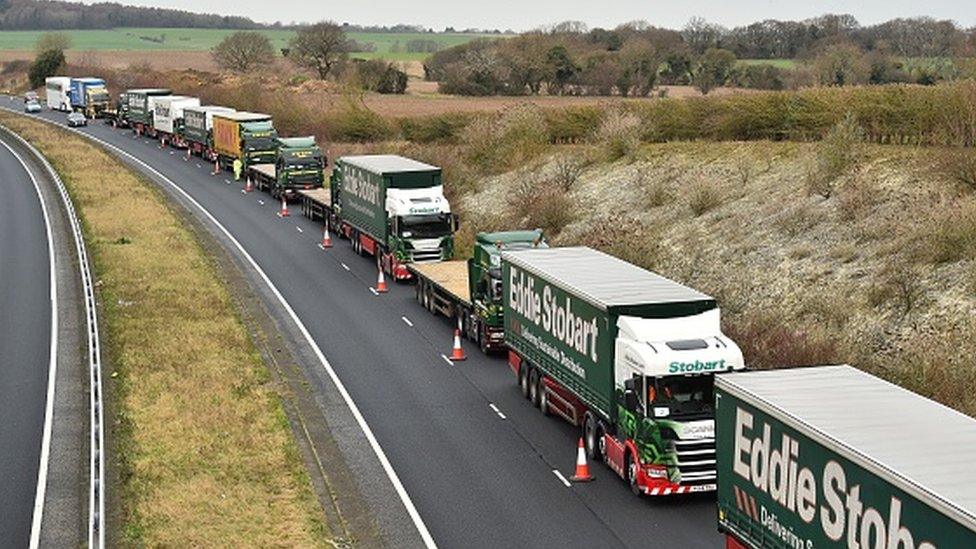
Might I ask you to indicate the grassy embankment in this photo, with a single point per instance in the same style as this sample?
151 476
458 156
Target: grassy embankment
202 445
391 46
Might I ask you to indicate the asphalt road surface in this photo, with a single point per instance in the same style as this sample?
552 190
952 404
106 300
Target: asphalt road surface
478 477
25 341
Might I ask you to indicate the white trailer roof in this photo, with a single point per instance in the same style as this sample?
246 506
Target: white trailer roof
928 449
387 163
602 279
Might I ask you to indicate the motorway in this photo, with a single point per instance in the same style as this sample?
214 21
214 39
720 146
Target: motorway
478 461
25 346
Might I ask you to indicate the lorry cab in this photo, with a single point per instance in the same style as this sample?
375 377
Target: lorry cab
422 219
258 142
89 96
664 387
57 90
300 162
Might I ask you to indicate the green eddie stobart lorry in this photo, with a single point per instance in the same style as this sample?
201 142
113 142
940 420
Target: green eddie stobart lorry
393 208
832 457
625 354
470 291
140 105
299 165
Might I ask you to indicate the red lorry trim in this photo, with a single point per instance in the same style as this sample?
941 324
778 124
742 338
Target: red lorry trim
514 361
732 543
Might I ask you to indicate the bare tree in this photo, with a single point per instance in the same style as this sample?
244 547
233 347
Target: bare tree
243 51
52 41
320 47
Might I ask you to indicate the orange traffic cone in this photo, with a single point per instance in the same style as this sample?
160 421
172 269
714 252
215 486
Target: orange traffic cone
326 237
247 186
582 468
381 281
458 352
284 208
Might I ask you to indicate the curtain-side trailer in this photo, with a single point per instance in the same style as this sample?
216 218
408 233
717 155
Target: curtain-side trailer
197 129
832 457
168 117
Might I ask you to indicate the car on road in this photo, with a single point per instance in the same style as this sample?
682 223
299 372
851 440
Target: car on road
32 106
30 96
76 119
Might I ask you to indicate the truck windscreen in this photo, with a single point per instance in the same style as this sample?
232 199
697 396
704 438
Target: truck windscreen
425 226
686 397
259 143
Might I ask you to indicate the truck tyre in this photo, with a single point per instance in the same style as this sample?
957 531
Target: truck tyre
592 438
523 379
483 337
534 387
543 396
631 469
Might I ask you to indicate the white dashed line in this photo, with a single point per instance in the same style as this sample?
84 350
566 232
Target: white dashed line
261 202
447 360
561 478
199 166
496 410
407 321
299 229
372 289
344 266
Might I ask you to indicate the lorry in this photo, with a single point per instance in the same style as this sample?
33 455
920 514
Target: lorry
197 130
626 355
470 291
299 165
89 96
168 117
392 208
57 91
247 136
140 107
830 456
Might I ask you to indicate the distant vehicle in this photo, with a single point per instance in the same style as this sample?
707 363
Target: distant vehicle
76 119
32 106
31 96
58 93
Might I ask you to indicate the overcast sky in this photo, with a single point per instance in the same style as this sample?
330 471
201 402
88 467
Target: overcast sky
526 14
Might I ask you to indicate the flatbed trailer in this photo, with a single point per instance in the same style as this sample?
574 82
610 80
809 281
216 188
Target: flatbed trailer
316 203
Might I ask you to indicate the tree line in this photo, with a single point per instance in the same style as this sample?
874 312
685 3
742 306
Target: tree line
58 15
634 58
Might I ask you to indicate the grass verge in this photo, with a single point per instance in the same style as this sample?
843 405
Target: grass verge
202 446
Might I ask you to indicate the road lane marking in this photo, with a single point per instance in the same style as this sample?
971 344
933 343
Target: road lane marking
496 410
561 477
372 289
261 202
52 370
340 387
407 321
299 229
199 166
447 360
344 266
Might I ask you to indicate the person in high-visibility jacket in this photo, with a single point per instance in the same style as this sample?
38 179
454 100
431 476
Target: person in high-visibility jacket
238 165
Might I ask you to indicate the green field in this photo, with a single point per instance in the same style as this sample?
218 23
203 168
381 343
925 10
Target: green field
144 39
778 63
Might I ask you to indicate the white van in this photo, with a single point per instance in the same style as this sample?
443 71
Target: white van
58 93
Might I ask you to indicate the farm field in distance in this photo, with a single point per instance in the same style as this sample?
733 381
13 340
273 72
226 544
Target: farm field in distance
390 46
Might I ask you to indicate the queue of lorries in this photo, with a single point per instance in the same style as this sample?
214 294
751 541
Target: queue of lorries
800 458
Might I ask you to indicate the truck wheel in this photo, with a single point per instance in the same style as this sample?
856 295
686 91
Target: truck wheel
631 467
523 379
483 338
543 396
592 438
534 387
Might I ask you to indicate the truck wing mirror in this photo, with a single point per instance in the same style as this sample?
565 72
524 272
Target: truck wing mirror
630 399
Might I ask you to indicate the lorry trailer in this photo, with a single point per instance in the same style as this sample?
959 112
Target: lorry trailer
470 291
140 107
834 457
89 96
299 165
625 354
197 129
168 117
247 136
393 208
57 93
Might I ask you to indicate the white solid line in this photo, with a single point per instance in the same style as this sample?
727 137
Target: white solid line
372 289
407 321
447 360
299 229
353 408
52 369
561 477
344 266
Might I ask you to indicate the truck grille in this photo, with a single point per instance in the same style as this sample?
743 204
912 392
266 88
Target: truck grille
425 256
696 460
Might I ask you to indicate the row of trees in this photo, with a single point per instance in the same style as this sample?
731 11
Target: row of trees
322 48
54 14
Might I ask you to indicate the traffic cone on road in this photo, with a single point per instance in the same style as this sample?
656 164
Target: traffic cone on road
284 208
326 237
582 468
247 186
458 352
381 281
216 169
